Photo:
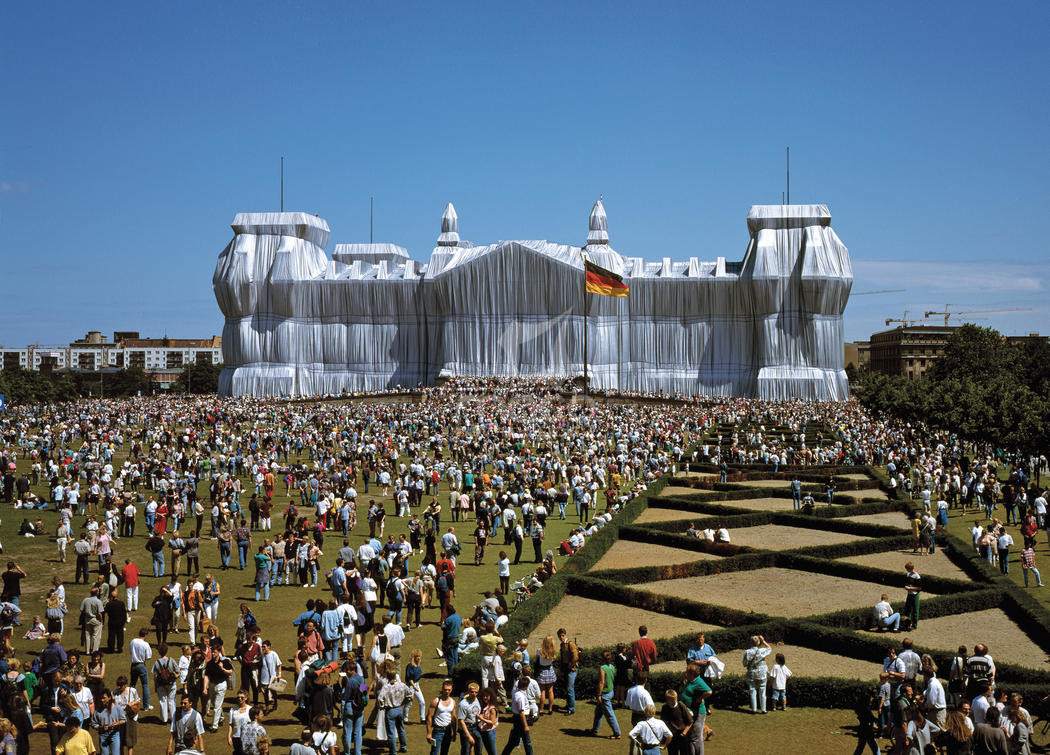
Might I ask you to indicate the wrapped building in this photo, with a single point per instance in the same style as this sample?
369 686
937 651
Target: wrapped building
370 317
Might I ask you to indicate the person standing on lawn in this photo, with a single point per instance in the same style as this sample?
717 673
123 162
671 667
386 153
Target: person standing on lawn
913 585
603 703
694 694
644 650
1028 565
570 666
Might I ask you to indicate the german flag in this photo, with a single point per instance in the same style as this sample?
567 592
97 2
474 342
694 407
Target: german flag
603 282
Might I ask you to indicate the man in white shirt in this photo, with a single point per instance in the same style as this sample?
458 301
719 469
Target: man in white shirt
650 732
885 616
140 652
912 662
979 706
638 698
1003 542
519 707
936 703
365 554
395 638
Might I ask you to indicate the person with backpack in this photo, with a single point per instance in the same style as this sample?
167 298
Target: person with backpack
166 679
353 701
395 593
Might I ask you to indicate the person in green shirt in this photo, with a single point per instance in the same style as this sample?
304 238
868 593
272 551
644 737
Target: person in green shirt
694 694
606 674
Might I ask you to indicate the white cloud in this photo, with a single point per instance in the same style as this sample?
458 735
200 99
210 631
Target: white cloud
992 276
988 277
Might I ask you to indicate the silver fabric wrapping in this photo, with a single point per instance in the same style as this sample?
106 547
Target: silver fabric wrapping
298 323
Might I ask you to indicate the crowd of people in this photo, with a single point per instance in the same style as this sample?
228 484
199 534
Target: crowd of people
359 502
277 491
917 712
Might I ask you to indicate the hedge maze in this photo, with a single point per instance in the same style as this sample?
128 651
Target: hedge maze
689 587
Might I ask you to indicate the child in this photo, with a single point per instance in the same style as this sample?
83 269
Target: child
779 674
511 681
884 703
37 631
523 648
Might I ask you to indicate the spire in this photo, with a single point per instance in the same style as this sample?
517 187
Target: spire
449 227
598 226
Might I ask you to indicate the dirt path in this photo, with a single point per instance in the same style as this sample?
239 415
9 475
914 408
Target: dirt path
579 617
890 518
937 565
651 515
778 592
626 554
779 537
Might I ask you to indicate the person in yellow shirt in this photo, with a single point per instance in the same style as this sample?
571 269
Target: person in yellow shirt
76 741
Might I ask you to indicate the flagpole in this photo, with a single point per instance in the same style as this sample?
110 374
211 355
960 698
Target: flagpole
586 382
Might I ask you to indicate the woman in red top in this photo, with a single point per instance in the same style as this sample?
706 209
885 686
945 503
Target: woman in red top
161 525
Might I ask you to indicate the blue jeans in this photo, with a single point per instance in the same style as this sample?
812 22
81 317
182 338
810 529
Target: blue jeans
351 730
604 708
138 671
570 691
158 564
442 740
894 620
313 573
757 688
277 574
561 509
395 729
465 747
224 553
488 739
1038 579
109 744
151 519
242 551
452 654
265 587
518 735
796 500
395 610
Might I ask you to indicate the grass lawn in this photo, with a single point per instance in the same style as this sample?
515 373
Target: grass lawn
38 556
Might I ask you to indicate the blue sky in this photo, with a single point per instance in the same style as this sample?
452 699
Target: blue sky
130 138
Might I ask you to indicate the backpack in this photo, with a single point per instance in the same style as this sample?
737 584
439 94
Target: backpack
441 585
165 676
353 692
7 615
347 622
391 590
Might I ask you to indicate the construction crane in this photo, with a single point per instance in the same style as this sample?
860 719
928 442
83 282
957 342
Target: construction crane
948 313
905 321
